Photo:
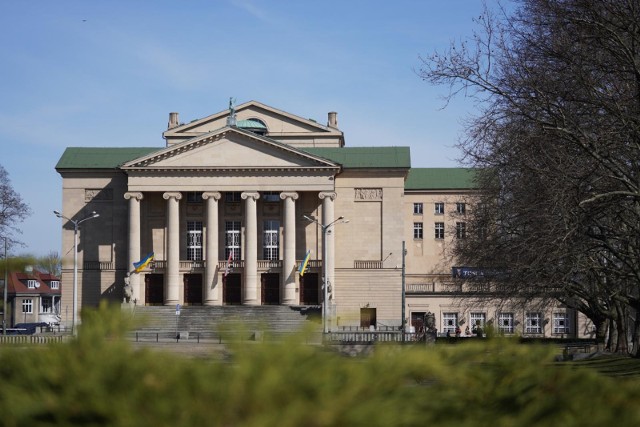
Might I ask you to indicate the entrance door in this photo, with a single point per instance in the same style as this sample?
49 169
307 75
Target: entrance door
367 317
310 289
270 288
232 289
154 289
193 289
417 321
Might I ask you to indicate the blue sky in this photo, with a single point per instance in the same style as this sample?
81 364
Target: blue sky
107 73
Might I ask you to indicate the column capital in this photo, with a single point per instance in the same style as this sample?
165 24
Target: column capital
211 195
249 194
172 194
327 194
133 195
289 194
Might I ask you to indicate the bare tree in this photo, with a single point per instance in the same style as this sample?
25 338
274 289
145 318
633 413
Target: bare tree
50 263
558 136
12 208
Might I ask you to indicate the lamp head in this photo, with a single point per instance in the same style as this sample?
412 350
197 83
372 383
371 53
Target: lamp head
58 214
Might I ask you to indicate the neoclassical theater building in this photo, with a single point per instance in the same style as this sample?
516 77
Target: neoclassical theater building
231 204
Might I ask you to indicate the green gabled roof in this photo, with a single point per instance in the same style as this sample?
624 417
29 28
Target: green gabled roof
440 179
100 157
365 157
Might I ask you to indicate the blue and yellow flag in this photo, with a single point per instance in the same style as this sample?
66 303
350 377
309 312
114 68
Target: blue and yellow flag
303 265
140 265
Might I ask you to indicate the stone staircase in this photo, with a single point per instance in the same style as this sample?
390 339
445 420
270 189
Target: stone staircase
265 321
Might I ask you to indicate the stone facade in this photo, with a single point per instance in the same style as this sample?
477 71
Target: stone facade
232 203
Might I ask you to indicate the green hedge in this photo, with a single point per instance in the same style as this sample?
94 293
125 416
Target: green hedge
99 379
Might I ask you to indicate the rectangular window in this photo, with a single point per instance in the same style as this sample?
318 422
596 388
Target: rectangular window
27 306
561 323
271 237
477 319
461 230
46 306
461 208
417 208
194 197
505 323
232 239
55 284
32 284
232 197
439 230
194 240
449 322
417 230
439 208
270 196
533 323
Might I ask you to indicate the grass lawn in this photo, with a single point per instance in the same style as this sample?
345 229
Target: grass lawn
615 365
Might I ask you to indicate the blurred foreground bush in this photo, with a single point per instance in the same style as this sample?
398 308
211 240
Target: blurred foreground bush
99 380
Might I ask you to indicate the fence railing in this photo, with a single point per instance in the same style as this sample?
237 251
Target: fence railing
372 336
30 339
367 264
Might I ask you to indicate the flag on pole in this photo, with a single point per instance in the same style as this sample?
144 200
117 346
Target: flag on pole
303 265
140 265
226 270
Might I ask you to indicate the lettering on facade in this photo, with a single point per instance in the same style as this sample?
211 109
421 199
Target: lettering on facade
98 194
368 194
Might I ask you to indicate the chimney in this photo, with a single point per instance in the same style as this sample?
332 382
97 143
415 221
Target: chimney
333 120
173 120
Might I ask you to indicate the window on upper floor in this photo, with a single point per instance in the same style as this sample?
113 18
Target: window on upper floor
194 240
55 284
194 197
417 208
461 230
32 284
439 208
232 196
417 230
461 208
271 239
232 240
439 230
270 196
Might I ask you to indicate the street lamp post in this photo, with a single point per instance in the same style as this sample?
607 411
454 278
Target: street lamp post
76 226
6 285
325 280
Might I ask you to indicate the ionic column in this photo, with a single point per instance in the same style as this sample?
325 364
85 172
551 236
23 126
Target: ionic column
327 218
211 286
289 256
171 281
250 294
134 241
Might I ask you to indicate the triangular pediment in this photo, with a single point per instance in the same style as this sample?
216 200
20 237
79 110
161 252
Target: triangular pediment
229 148
279 125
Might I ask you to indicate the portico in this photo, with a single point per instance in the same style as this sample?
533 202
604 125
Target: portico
223 253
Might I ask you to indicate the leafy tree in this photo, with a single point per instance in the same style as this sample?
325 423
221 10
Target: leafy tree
558 136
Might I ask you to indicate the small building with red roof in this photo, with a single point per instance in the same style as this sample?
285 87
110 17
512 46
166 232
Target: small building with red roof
34 297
